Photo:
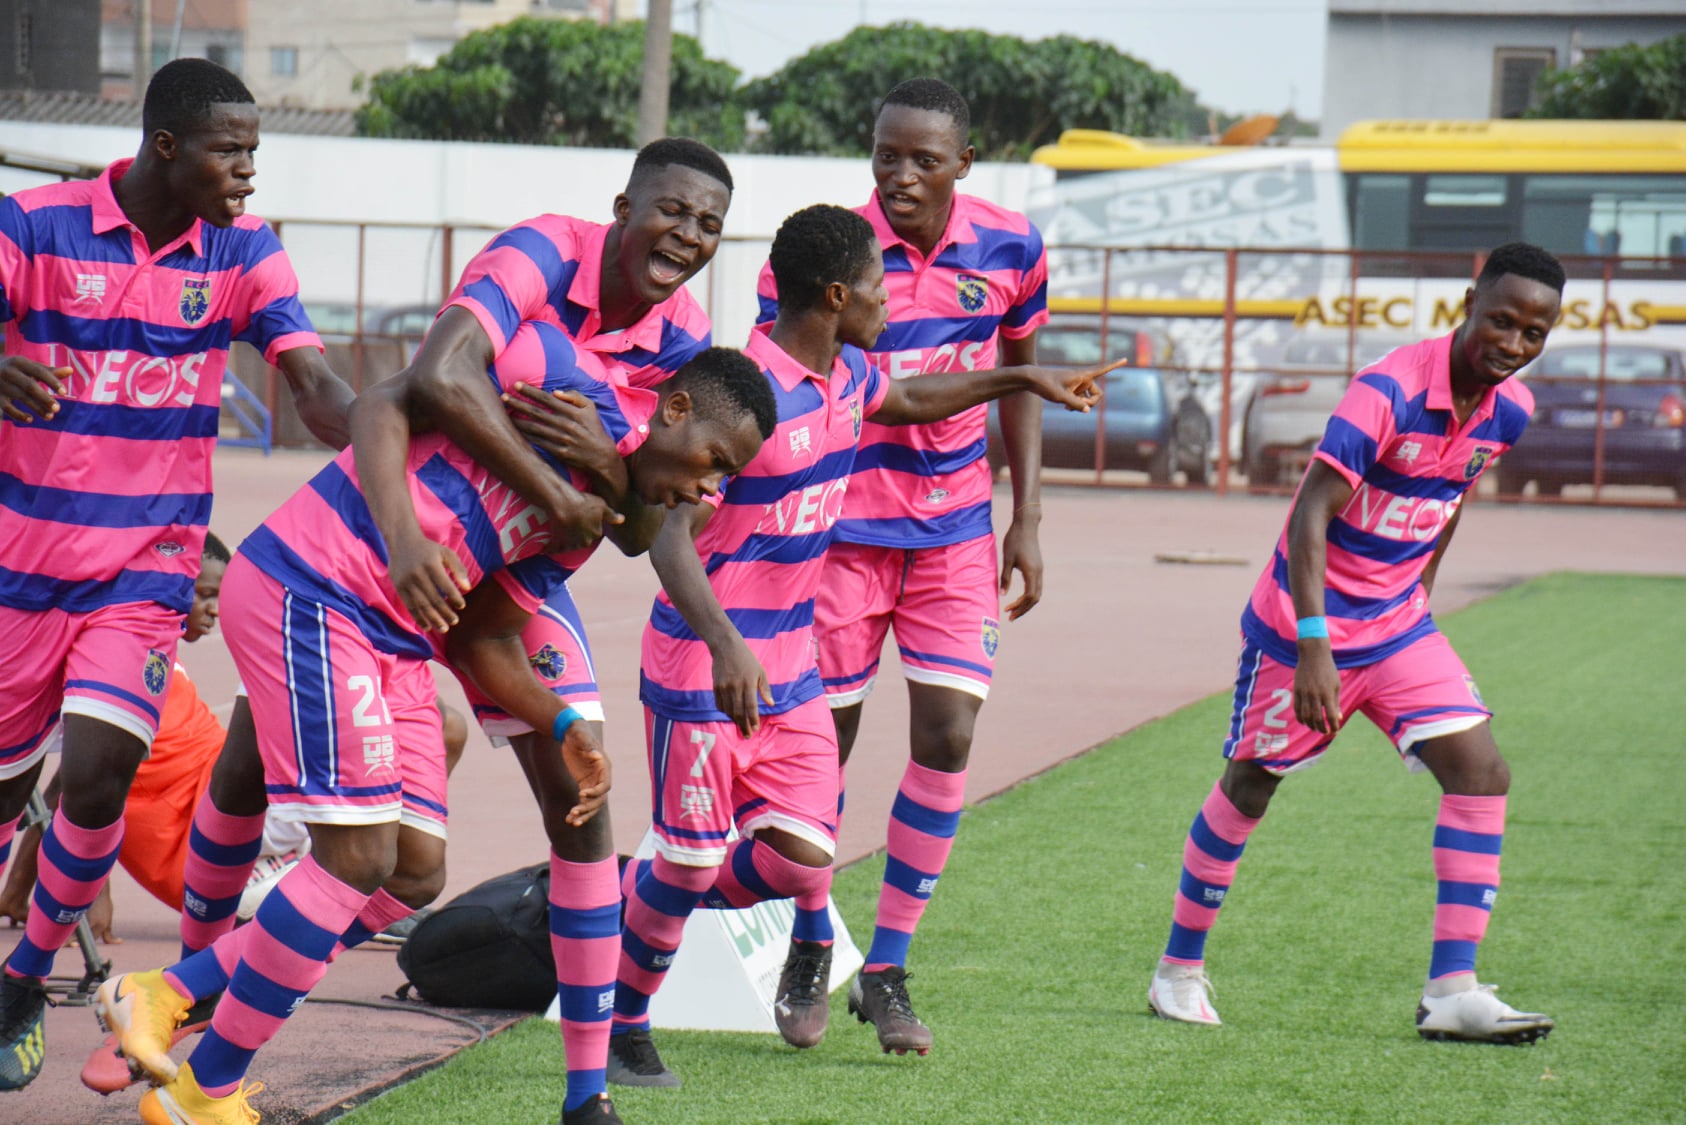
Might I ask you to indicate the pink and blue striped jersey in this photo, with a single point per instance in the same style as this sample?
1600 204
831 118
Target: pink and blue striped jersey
764 545
1396 440
550 269
929 485
322 544
108 501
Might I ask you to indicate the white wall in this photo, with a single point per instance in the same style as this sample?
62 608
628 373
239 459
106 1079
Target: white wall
305 182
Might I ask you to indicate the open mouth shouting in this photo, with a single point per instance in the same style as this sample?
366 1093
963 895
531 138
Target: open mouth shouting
668 270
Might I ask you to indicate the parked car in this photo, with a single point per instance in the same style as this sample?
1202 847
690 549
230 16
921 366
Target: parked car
1291 405
1147 419
1644 419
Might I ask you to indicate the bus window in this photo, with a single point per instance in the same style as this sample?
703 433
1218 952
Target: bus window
1381 211
1630 216
1462 212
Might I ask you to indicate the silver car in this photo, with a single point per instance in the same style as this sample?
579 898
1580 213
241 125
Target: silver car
1292 403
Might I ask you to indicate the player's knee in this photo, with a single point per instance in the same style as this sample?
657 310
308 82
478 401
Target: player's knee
943 743
416 889
1249 787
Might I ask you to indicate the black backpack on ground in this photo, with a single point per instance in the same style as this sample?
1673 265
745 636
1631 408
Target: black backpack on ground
487 948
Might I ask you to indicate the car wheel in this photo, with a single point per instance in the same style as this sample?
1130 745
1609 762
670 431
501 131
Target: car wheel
1511 482
1194 444
1161 464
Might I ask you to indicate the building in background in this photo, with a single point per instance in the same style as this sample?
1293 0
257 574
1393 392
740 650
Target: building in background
1468 58
306 54
50 46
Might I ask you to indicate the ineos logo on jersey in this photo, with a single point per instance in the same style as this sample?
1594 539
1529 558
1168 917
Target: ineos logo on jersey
1401 518
128 378
974 355
519 523
815 508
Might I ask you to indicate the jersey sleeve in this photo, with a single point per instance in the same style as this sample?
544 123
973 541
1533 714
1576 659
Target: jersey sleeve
274 318
766 295
542 355
1029 310
1362 425
509 281
874 384
17 247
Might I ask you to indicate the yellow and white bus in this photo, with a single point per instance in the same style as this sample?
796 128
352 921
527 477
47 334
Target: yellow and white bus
1375 235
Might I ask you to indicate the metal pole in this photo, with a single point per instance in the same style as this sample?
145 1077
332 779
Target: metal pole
143 47
658 72
1229 370
1100 408
175 35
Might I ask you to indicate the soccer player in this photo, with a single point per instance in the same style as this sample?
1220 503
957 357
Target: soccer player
1339 624
617 290
121 297
915 550
340 692
738 727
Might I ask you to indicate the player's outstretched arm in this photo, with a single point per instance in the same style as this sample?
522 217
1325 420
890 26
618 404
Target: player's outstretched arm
429 578
487 648
322 397
450 390
930 397
28 389
1317 684
566 425
1021 434
740 682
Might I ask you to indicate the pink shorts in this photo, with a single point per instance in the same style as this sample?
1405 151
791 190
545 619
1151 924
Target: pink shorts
943 602
348 734
112 664
1421 692
706 778
561 658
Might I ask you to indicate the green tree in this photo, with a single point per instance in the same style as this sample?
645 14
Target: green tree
1023 93
551 82
1640 81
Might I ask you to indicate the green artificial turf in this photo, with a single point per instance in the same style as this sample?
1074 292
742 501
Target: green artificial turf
1032 964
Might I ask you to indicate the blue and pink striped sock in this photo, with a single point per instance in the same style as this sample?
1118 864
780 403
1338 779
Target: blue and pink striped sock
585 906
1210 855
220 852
286 953
923 821
1467 837
73 866
663 895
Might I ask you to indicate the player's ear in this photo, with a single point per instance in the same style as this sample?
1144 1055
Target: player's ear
1469 302
163 144
967 155
623 209
676 407
836 297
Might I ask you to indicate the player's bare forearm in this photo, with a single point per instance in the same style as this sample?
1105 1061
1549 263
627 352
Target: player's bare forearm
323 399
1021 430
928 398
452 392
1316 679
379 426
673 554
1433 568
643 524
486 647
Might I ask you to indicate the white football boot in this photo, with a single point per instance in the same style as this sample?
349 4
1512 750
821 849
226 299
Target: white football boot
1182 992
1477 1016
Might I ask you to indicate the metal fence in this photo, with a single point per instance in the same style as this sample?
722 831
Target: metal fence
1238 356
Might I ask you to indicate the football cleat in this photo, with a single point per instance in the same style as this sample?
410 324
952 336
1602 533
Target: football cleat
881 999
265 874
1477 1016
23 1031
1182 992
143 1011
108 1071
182 1102
598 1111
803 1007
633 1061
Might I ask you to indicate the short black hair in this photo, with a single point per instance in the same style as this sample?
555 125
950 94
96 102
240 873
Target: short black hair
817 246
725 384
667 151
1523 259
183 91
936 95
215 549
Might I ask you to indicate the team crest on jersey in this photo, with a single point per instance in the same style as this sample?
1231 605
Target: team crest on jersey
855 416
156 674
936 496
1478 461
991 636
169 548
972 290
195 299
1475 692
548 662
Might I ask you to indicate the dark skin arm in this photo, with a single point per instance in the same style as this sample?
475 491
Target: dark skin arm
322 397
486 646
566 425
930 397
1021 433
739 679
1317 685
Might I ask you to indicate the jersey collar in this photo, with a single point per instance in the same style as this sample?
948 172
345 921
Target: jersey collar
1440 389
776 361
958 230
108 215
586 291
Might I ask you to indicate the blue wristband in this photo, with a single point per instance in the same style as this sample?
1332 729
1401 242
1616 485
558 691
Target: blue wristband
565 718
1308 627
